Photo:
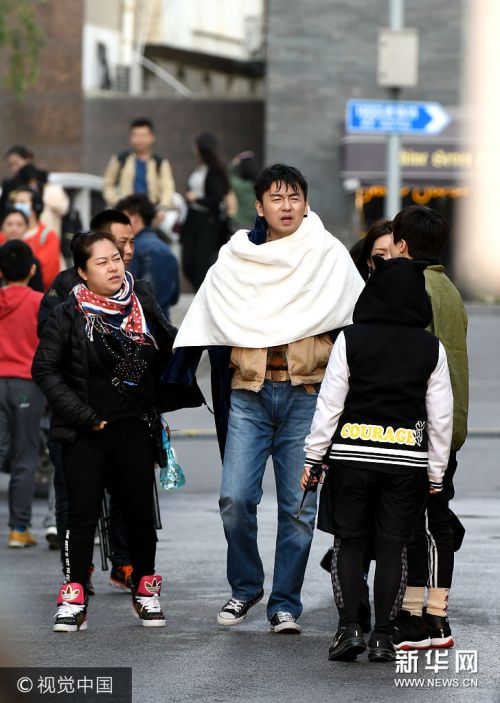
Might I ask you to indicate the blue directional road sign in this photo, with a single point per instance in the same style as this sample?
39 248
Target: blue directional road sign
395 117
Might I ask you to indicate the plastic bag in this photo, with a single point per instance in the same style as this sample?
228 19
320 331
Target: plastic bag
171 475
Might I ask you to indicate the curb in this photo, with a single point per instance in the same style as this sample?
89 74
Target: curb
474 433
193 433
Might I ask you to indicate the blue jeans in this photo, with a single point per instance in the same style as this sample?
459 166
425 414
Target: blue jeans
274 422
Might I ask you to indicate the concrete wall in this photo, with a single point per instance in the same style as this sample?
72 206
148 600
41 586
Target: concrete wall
49 118
321 53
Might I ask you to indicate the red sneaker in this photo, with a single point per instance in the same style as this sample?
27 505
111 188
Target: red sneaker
146 601
71 614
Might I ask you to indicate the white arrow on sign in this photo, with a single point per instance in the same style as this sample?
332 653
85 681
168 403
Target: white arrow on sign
439 118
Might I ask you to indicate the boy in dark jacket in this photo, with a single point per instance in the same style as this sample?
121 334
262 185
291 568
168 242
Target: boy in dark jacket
420 233
384 421
21 403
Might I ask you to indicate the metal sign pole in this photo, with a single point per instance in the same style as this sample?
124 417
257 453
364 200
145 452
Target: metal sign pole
393 194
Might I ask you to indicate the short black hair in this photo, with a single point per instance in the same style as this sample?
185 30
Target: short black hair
19 150
142 122
138 204
279 174
29 173
16 260
247 168
82 243
424 230
103 220
11 210
36 199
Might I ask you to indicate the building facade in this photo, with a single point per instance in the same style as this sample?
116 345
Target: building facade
191 66
322 53
272 76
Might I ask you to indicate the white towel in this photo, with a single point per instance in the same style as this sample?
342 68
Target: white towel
275 293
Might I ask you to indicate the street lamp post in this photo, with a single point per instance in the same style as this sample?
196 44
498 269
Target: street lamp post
393 194
397 68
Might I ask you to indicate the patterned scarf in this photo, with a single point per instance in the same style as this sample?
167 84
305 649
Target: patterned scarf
121 313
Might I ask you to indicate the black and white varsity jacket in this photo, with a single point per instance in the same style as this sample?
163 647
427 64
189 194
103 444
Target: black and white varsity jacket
386 401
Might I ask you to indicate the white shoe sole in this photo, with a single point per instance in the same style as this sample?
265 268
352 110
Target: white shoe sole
70 628
14 544
149 623
287 628
153 623
229 622
408 644
442 642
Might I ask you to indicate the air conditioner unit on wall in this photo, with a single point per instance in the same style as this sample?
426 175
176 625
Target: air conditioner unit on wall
122 78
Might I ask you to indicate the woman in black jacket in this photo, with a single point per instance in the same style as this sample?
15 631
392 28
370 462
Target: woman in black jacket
99 362
206 227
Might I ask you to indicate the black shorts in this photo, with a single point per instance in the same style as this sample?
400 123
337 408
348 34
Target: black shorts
364 499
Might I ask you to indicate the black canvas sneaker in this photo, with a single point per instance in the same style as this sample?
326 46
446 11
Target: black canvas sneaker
284 622
235 610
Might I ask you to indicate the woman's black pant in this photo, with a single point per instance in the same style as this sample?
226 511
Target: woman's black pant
121 456
117 532
201 238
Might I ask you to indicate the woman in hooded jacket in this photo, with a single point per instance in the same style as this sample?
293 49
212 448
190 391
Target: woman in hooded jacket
383 424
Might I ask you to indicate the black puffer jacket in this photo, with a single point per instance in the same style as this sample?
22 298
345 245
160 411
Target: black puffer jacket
60 367
59 291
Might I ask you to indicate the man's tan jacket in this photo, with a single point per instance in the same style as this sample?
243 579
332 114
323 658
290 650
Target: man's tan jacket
307 360
119 181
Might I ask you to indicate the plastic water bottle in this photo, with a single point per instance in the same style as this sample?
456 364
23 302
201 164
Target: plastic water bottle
171 475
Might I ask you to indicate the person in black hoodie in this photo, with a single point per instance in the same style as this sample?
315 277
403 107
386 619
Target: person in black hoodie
383 423
99 363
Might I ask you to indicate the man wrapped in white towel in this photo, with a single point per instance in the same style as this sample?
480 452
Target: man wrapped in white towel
268 312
